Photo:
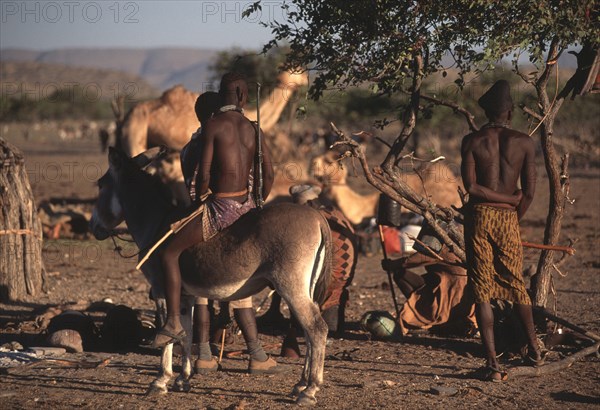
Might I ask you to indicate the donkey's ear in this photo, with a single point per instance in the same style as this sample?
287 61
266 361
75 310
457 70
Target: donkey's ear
147 156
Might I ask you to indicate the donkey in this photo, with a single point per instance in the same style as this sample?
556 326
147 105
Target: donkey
285 246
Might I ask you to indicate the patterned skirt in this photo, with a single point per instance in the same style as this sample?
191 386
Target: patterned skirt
495 255
222 212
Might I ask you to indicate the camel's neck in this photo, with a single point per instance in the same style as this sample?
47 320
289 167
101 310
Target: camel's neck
272 107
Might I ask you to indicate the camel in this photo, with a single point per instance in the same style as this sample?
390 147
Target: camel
170 120
286 247
439 183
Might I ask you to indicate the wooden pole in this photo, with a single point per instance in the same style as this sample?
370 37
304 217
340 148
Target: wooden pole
22 272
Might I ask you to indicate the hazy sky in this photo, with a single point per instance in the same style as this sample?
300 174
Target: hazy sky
45 25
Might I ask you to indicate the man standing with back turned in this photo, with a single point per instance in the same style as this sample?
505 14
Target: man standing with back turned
494 160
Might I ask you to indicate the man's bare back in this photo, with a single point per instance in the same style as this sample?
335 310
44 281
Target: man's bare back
228 147
494 161
227 155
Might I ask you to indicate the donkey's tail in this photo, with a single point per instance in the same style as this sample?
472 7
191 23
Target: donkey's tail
323 263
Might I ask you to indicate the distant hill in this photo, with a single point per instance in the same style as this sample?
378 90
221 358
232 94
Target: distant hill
161 67
39 80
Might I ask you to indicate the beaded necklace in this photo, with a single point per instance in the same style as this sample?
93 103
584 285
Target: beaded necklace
492 124
231 107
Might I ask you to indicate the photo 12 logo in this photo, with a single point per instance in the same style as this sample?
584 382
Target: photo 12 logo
73 252
246 11
69 91
69 11
69 171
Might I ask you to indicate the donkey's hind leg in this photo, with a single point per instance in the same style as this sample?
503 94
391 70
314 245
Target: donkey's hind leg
302 384
315 332
182 383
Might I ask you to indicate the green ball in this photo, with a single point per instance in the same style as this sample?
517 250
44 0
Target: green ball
381 325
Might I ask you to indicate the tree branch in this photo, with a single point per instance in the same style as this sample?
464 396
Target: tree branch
550 64
457 109
531 113
525 78
410 118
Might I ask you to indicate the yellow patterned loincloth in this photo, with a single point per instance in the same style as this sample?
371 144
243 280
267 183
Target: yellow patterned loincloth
495 255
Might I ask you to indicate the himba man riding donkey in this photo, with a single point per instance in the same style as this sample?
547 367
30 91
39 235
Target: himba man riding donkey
222 158
494 160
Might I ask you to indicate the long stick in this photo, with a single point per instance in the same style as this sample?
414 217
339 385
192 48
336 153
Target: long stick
389 274
427 248
78 364
222 345
563 322
151 251
175 227
527 371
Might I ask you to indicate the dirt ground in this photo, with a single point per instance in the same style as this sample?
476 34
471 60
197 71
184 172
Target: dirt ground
360 372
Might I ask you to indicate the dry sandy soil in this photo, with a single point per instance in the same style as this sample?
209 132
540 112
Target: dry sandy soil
372 374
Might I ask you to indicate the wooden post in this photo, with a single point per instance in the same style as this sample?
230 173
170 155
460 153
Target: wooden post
22 270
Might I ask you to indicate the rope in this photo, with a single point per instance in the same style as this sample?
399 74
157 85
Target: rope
124 239
119 250
17 232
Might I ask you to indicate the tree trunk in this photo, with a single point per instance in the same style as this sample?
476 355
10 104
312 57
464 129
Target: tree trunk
556 205
22 270
556 209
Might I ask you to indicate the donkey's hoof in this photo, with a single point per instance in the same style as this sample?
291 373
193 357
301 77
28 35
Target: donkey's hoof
182 386
299 388
305 400
155 390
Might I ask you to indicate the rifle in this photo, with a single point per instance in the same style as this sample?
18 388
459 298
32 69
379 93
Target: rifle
258 175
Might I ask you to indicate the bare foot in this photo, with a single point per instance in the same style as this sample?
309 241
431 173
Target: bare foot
533 358
494 374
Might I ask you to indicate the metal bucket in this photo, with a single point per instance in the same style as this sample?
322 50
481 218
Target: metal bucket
389 211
